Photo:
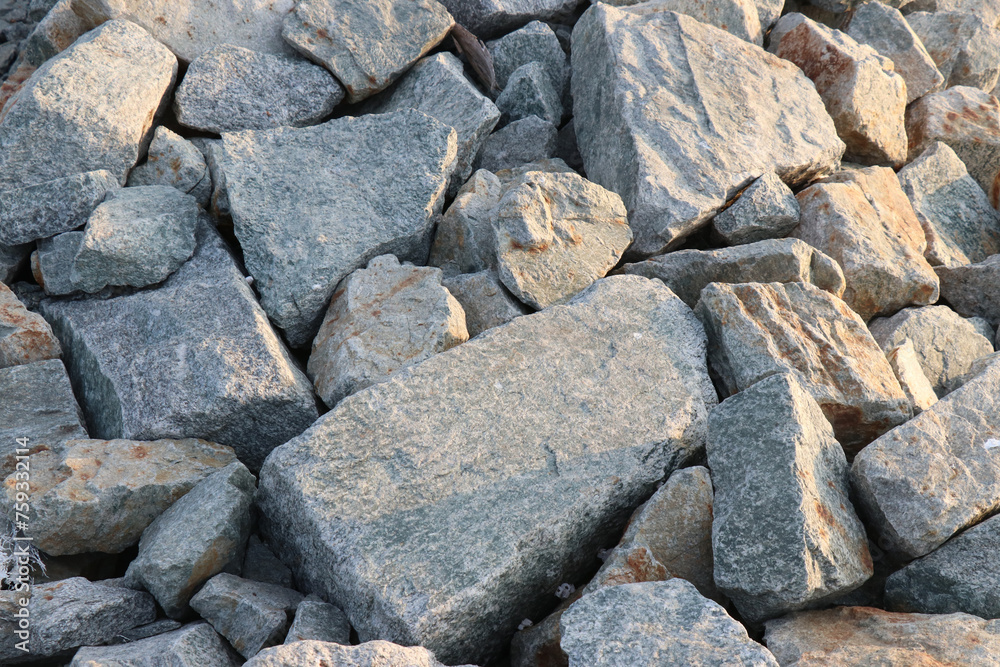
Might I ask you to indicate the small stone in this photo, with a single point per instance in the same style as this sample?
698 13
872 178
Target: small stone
535 42
194 539
52 263
737 17
176 162
319 621
767 209
369 654
906 365
25 337
464 241
971 290
382 318
260 564
46 209
964 46
194 645
614 627
497 17
231 88
518 143
486 302
366 45
530 92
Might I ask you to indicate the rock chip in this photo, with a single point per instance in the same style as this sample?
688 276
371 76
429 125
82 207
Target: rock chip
553 485
971 290
486 302
319 621
333 181
738 17
530 92
535 42
487 18
45 209
25 337
176 162
369 654
906 365
964 46
767 209
518 143
194 645
643 129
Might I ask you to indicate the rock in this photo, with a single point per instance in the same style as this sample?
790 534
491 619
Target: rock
192 369
99 495
487 304
464 241
982 327
945 343
641 128
518 143
556 234
971 290
176 162
862 219
757 330
529 92
884 29
535 42
90 108
201 27
382 318
899 485
70 613
487 18
965 47
194 645
862 92
250 614
737 17
860 636
12 259
369 654
194 539
25 337
614 627
319 621
230 88
260 564
52 263
49 208
906 366
369 45
55 32
437 86
557 481
767 209
968 121
310 179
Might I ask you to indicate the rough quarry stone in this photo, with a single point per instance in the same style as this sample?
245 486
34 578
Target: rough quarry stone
184 353
25 337
785 536
250 614
176 162
544 483
924 481
518 143
487 18
756 330
465 241
965 47
959 223
382 318
369 654
319 621
906 365
862 93
45 209
366 45
738 17
194 539
945 343
535 42
971 290
556 234
98 496
52 263
309 178
90 108
765 210
863 220
642 128
194 645
487 304
861 637
530 92
612 628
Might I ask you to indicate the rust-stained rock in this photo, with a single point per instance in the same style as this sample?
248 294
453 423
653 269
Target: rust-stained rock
24 336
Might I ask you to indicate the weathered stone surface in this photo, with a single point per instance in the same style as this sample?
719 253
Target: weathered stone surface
924 481
486 302
642 128
194 645
861 637
52 263
535 42
369 654
738 17
45 209
556 234
194 539
70 613
250 614
518 143
169 363
884 29
765 210
260 564
176 162
687 272
543 483
965 47
862 93
487 18
89 108
785 536
382 318
862 219
906 365
757 330
100 495
614 628
25 337
309 179
530 92
971 290
366 45
945 343
319 621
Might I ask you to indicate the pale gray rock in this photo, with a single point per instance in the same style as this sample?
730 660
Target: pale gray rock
641 128
12 259
333 181
46 209
175 161
366 45
231 88
544 483
518 143
738 17
765 210
488 18
464 241
687 272
194 539
988 10
260 564
899 485
614 628
52 263
946 344
535 42
964 46
194 645
25 337
756 330
486 302
530 92
319 621
381 319
369 654
768 12
169 362
906 365
971 290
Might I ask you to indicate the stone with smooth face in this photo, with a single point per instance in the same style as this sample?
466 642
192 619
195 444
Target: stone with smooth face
486 302
194 645
174 161
964 46
369 654
738 17
971 290
25 337
765 210
530 92
46 209
319 621
518 143
916 386
557 480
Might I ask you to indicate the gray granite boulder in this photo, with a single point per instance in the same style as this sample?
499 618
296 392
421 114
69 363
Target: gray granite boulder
535 42
369 654
319 621
46 209
486 302
964 46
173 160
520 142
562 471
25 337
194 645
971 290
488 18
530 92
765 210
